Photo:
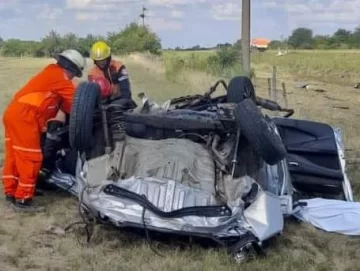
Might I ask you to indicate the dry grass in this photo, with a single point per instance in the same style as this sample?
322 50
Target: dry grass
328 66
25 246
332 66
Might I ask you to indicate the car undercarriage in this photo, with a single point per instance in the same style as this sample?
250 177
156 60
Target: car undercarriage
196 165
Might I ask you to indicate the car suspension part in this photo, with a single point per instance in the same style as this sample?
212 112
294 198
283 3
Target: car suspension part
235 161
105 129
221 156
117 122
273 106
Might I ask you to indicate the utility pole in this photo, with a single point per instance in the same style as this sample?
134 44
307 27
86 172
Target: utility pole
245 36
142 15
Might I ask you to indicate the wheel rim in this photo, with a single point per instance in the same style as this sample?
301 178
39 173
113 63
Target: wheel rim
244 253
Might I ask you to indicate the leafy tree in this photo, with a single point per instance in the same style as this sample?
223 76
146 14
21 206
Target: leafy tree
355 38
70 40
135 38
84 44
52 43
342 35
225 57
112 36
275 44
323 42
237 45
14 47
223 45
301 38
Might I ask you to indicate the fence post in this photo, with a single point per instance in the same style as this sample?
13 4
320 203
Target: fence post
269 87
273 85
284 95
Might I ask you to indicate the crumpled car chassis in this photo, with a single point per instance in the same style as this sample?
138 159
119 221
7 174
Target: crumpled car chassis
251 215
173 183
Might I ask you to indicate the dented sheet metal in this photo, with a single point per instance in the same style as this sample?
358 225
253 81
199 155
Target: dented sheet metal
173 159
265 216
261 218
264 219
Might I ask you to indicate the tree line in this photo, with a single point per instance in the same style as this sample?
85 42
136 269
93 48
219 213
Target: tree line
138 38
304 38
301 38
132 38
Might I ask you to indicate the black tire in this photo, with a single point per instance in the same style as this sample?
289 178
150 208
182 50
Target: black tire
245 250
81 122
240 88
260 132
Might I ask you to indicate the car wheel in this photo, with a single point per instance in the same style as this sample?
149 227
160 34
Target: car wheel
244 250
260 132
240 88
81 120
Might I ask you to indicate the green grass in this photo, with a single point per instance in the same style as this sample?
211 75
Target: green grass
339 67
25 246
335 66
178 63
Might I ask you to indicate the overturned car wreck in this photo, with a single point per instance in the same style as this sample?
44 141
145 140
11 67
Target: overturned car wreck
199 166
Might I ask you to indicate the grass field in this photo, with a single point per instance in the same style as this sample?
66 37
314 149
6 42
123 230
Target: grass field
335 66
25 244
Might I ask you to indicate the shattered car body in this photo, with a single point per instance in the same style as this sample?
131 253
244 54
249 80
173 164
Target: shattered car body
194 167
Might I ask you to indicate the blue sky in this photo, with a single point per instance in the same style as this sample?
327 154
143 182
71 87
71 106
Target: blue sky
177 22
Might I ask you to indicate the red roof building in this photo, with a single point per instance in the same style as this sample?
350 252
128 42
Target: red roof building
260 43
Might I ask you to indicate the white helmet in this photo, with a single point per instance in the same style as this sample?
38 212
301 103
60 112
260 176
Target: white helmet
72 60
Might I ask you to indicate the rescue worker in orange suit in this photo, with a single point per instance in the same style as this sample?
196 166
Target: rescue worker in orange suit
39 100
113 70
115 73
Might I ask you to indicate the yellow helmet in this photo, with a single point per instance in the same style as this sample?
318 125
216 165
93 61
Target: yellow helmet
100 50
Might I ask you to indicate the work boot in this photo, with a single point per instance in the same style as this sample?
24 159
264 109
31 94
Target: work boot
28 205
9 199
39 192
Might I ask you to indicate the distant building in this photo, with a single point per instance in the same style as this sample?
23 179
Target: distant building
260 44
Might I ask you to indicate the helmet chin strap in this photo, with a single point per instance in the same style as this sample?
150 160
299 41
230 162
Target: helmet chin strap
107 64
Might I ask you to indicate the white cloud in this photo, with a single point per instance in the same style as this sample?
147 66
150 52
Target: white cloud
177 3
49 13
100 4
170 2
270 4
151 13
177 14
318 11
88 16
75 4
161 24
227 11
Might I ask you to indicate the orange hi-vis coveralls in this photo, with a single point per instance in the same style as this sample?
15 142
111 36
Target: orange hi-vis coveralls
32 106
117 75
